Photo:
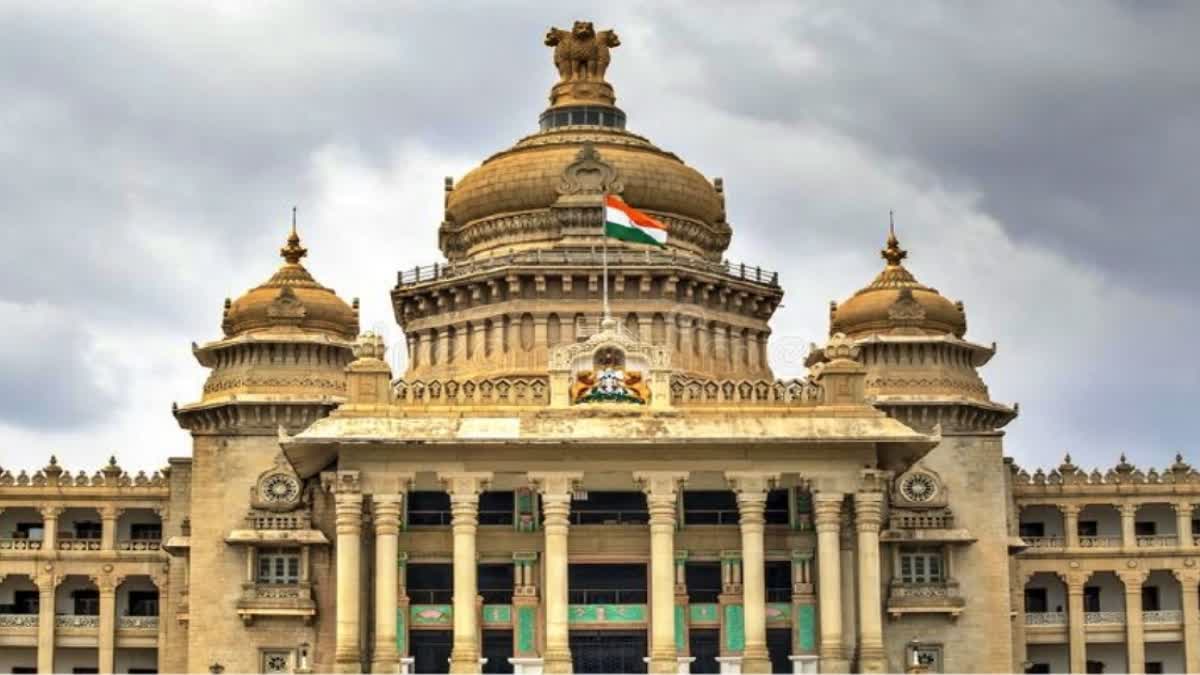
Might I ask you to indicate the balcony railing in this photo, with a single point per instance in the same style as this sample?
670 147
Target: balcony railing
77 621
137 622
139 544
586 258
604 596
940 519
1163 616
1045 618
941 596
1044 542
1157 541
20 544
1100 541
1104 618
18 620
78 544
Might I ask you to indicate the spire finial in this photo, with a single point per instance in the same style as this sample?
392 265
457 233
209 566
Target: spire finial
293 251
893 254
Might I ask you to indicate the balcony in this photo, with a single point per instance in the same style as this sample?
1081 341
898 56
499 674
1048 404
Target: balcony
20 544
66 543
138 623
264 599
1044 543
81 621
1100 541
1104 618
1162 616
925 598
18 621
1157 541
139 545
1046 619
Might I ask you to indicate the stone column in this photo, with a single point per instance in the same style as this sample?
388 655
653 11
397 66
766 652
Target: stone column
556 490
108 529
827 507
162 584
384 657
662 493
751 490
464 488
1183 524
1070 525
1077 630
50 516
47 584
107 636
1189 584
867 512
1135 646
348 502
1128 534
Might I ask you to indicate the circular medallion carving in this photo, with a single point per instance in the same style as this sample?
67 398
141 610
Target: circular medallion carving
918 487
280 488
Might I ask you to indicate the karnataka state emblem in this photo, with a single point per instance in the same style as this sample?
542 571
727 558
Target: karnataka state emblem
609 382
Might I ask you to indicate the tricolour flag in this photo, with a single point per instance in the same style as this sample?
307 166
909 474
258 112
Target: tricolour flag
622 221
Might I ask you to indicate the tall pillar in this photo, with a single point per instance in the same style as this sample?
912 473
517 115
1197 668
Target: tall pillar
1189 584
1135 646
50 516
868 506
1128 533
1077 630
1070 525
827 507
162 584
751 490
464 488
1183 524
107 637
47 584
348 503
108 526
556 490
662 493
384 657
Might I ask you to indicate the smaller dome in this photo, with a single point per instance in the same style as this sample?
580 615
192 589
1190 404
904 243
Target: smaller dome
896 303
291 297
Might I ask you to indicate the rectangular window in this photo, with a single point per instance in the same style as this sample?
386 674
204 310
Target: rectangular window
496 508
428 507
777 512
86 603
25 602
1091 598
143 603
1087 528
779 580
87 530
1033 529
1145 528
1150 599
145 531
1035 600
29 531
922 565
279 566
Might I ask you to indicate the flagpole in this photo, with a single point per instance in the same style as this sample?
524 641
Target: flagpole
604 257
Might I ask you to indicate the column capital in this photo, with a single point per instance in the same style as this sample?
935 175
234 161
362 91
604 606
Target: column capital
1183 508
660 486
386 509
555 482
1133 579
868 511
1075 579
1069 509
751 482
827 510
110 511
51 512
107 583
465 485
1128 510
341 483
1188 579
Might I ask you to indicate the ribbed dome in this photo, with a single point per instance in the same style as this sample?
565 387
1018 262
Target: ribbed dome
896 303
291 297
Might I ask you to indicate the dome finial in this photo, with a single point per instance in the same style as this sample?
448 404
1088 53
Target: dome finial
893 254
293 252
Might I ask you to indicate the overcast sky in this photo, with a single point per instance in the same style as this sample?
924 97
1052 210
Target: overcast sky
1040 157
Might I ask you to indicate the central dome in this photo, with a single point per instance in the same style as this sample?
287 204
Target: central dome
521 198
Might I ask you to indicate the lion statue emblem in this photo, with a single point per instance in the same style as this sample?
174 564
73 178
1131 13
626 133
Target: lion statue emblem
581 53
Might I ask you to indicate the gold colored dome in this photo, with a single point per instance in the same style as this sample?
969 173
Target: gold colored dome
291 297
896 303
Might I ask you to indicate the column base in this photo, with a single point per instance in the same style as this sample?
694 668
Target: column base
666 665
532 666
805 664
385 663
347 665
756 664
871 660
557 662
466 663
730 665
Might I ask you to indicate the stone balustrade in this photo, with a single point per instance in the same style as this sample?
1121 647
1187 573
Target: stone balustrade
18 620
1045 618
1100 541
77 621
1160 616
1104 618
1044 542
73 544
20 545
794 392
1157 541
139 545
137 623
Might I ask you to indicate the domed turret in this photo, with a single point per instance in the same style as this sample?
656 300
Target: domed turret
896 303
284 354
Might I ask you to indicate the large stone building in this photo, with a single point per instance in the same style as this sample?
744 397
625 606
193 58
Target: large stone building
548 489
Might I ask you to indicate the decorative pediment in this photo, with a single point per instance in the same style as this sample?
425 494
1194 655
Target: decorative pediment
279 488
589 174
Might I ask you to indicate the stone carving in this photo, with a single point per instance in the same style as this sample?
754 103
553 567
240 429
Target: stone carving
609 382
286 305
906 308
1069 475
795 392
489 391
589 174
278 488
581 53
55 476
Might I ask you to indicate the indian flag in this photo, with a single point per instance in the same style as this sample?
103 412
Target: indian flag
622 221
